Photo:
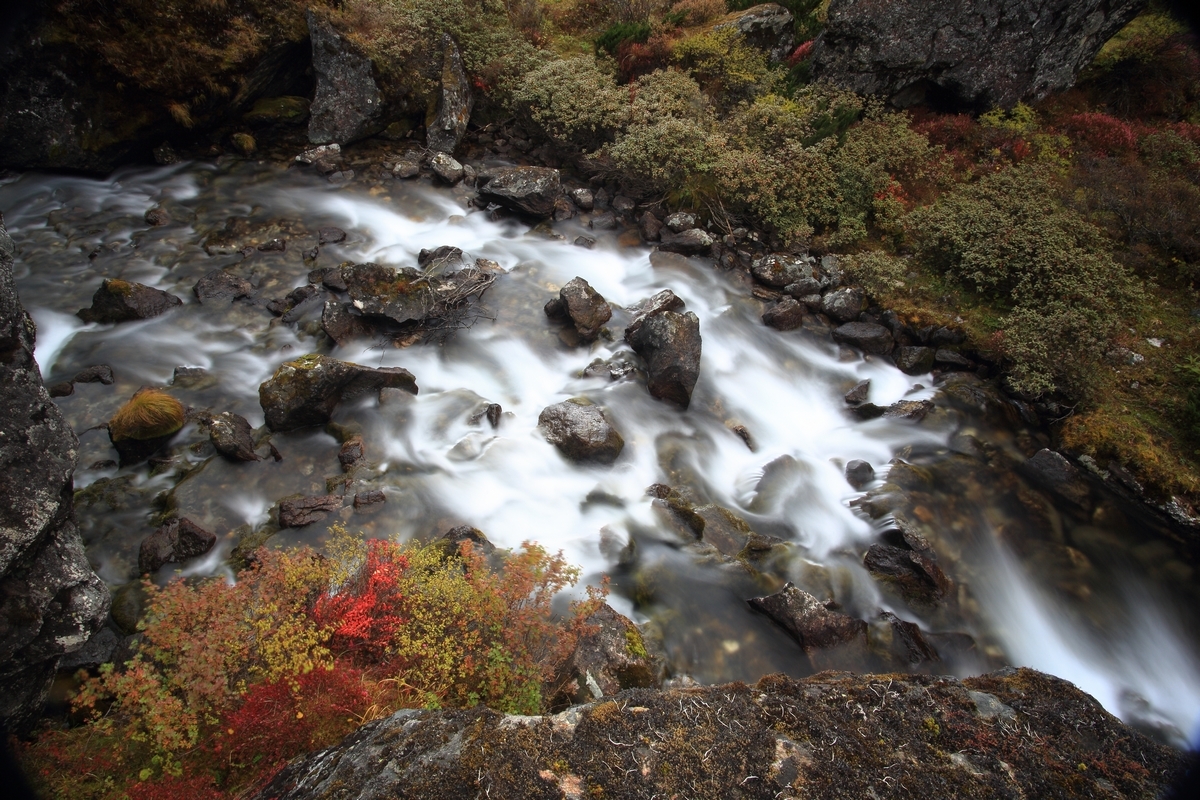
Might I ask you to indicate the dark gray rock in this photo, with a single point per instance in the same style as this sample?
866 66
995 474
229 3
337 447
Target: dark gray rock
174 543
811 622
914 360
97 373
369 502
348 104
62 389
608 658
98 650
124 301
670 343
622 205
583 306
581 432
859 473
692 242
50 600
301 511
843 305
586 242
604 221
786 315
859 393
564 209
232 436
446 126
530 190
650 227
952 359
680 221
157 217
439 257
343 324
804 287
305 391
221 285
1051 470
330 235
768 27
446 167
582 198
779 270
976 54
913 410
915 574
867 336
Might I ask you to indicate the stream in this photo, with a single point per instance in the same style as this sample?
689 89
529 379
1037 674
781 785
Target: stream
1101 597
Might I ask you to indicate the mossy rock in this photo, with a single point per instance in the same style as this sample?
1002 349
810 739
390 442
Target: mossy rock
278 111
149 414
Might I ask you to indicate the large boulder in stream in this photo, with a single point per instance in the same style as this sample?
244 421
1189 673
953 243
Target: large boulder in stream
406 295
836 736
583 306
306 391
669 342
529 190
976 54
125 301
50 600
581 431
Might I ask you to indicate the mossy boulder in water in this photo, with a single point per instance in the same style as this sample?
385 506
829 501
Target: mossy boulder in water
306 391
123 301
145 424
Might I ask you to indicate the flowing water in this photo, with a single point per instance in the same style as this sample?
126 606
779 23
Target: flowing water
1103 599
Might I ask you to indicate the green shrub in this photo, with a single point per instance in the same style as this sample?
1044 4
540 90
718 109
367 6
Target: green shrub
878 272
668 93
669 154
572 102
620 32
728 69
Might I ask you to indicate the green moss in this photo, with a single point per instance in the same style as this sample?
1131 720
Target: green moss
634 646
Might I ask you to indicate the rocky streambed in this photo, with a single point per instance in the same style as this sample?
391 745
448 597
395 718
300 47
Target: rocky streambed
776 478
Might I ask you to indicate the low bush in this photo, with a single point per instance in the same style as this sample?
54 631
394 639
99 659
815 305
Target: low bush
572 102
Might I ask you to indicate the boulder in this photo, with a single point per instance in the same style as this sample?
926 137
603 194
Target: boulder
859 394
446 167
669 342
124 301
305 391
583 306
529 190
859 473
692 242
347 104
174 543
581 432
975 55
867 336
768 27
609 657
650 227
445 127
582 198
342 323
401 295
813 624
843 305
232 436
779 270
914 360
1051 470
912 410
680 221
915 574
97 373
786 315
301 511
221 284
50 600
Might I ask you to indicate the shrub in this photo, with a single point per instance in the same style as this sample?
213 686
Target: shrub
635 59
1104 135
572 102
620 32
880 273
698 12
726 67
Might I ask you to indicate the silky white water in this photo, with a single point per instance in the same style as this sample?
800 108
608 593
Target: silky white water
439 468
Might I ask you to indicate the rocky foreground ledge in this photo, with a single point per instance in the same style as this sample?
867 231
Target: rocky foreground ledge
1009 734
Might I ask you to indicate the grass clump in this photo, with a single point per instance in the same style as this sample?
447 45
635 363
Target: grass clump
149 414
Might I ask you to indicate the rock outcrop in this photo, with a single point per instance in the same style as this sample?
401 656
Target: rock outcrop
768 27
446 126
975 54
348 104
1012 733
50 600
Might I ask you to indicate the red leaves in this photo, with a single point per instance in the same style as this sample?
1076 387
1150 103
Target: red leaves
365 613
801 53
1104 135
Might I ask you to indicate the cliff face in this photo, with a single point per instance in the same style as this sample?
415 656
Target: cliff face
1014 733
975 54
50 600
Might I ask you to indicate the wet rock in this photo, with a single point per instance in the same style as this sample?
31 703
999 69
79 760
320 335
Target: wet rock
774 739
867 336
123 301
952 359
975 54
915 574
723 529
806 618
232 436
859 393
305 391
98 650
530 190
453 539
447 168
581 432
221 285
913 410
604 221
866 411
586 242
1052 471
650 227
352 454
859 473
97 373
805 288
402 295
583 306
439 256
786 315
407 167
193 378
680 221
329 277
608 658
50 600
330 235
692 242
582 198
563 209
901 642
779 270
669 342
347 104
767 27
63 389
914 360
174 543
622 205
145 424
343 325
369 502
843 305
448 122
301 511
157 217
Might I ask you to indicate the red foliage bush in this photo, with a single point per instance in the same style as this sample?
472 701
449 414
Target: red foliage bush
363 614
635 59
192 787
1103 134
801 53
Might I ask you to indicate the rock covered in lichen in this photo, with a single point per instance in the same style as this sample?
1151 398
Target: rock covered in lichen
306 391
125 301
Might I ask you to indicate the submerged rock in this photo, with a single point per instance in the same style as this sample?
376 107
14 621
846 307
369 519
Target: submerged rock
581 432
306 391
814 625
583 306
530 190
301 511
669 342
221 284
173 543
124 301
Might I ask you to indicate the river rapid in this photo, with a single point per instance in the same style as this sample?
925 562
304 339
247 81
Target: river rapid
1103 599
